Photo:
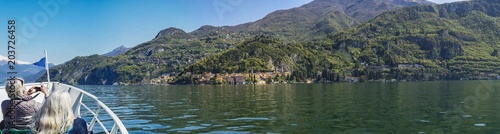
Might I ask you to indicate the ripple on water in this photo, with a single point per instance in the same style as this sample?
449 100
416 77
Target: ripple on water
166 119
128 124
218 125
140 132
123 111
176 103
206 125
480 125
466 116
234 128
150 116
155 126
188 128
227 132
248 126
186 116
425 121
136 121
250 119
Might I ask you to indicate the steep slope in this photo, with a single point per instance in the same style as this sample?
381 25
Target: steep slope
266 54
94 69
316 18
261 52
168 53
364 10
450 41
173 49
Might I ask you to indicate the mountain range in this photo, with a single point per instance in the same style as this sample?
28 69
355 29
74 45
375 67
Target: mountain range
31 73
24 69
319 17
325 40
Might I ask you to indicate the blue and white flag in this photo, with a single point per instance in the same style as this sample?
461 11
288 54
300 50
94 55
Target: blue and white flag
40 63
44 63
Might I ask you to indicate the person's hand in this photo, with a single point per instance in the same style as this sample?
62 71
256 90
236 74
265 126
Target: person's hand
44 90
32 90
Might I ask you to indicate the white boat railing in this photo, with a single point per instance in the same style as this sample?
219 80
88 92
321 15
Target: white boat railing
77 95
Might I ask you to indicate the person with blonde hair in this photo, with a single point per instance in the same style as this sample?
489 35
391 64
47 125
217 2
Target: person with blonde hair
18 110
56 116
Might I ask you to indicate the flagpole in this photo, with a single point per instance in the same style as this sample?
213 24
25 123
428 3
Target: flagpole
47 67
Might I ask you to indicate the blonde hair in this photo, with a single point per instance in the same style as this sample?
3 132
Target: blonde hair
14 88
55 115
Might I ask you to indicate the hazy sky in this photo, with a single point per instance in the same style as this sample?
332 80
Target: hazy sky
69 28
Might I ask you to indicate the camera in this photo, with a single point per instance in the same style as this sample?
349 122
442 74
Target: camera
38 89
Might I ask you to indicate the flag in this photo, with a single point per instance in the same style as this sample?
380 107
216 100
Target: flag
44 63
40 63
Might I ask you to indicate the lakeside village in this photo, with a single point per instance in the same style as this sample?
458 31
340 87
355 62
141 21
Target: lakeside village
278 77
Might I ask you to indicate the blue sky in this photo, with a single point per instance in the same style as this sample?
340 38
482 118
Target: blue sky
69 28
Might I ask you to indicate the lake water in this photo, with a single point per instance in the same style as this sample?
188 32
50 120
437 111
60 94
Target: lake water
413 107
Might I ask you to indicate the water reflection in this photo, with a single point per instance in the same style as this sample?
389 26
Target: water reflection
422 107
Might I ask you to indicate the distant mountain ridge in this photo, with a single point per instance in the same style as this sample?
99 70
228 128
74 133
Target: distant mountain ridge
364 10
117 51
4 60
319 16
173 49
24 69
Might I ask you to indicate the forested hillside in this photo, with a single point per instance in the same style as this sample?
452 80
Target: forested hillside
423 42
172 50
450 41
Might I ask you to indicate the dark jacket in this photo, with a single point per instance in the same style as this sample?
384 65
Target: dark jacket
79 127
